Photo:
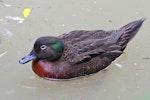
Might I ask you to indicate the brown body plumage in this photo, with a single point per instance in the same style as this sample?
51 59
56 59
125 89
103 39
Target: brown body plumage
82 52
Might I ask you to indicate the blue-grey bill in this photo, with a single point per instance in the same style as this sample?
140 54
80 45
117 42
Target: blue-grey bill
28 58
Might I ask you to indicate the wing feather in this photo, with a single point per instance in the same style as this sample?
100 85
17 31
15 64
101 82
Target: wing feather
81 46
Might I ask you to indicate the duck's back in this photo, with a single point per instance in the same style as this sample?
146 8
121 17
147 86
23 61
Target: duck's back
82 36
81 46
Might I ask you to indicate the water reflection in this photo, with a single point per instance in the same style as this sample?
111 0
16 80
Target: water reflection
15 18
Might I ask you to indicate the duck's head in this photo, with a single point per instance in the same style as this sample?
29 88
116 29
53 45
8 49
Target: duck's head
46 48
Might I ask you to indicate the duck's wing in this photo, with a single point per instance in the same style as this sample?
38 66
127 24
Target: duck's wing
85 37
81 46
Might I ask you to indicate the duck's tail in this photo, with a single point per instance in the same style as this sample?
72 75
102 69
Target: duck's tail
129 31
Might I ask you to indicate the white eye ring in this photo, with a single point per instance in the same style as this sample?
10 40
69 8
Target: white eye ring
43 47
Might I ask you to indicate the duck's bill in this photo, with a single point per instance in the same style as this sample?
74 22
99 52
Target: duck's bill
28 58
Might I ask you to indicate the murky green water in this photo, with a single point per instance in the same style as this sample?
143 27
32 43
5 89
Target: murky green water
127 78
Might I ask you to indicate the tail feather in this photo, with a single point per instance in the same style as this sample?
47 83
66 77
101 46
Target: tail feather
129 31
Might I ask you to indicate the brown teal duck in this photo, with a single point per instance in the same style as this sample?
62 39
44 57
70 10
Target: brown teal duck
79 52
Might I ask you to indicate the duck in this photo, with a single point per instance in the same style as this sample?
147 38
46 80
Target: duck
80 52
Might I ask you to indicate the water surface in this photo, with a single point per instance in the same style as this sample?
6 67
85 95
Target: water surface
127 78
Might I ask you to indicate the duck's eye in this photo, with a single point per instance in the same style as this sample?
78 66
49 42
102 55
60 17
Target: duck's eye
43 47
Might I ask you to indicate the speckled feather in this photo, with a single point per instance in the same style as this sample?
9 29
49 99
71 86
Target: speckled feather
81 46
90 51
84 52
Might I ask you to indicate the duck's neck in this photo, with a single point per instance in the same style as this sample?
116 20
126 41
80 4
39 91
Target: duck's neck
56 51
55 58
58 47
